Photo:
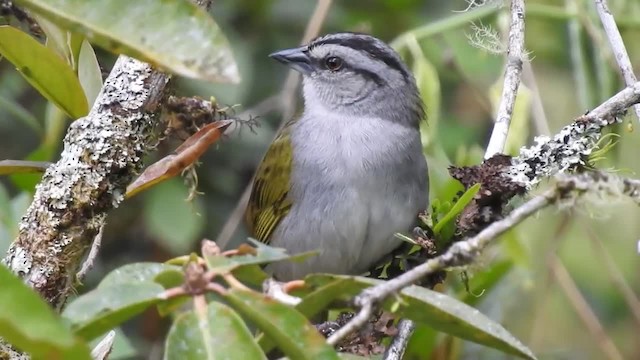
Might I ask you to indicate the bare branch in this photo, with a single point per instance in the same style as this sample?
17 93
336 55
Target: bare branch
583 309
617 46
513 68
615 275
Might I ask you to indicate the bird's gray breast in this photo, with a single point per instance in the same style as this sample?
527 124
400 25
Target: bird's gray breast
355 182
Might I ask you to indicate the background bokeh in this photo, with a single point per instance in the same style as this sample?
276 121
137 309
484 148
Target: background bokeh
559 268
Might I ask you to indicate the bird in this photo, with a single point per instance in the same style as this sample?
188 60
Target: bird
349 172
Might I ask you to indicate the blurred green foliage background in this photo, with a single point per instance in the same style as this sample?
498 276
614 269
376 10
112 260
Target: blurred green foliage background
556 270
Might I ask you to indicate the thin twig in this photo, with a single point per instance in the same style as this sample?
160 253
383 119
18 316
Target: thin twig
398 346
617 46
583 309
287 104
513 68
615 275
539 325
460 253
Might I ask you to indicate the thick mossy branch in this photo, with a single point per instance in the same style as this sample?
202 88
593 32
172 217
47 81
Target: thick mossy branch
102 152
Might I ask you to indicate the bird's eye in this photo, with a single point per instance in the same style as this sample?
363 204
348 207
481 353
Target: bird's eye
333 63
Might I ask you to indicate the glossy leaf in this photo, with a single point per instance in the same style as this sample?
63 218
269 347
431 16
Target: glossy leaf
137 272
172 34
439 311
107 307
22 166
184 156
44 70
28 323
290 330
261 254
215 334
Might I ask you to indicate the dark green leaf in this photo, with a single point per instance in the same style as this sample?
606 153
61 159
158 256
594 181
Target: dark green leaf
106 307
137 272
440 311
28 323
289 329
173 34
44 70
219 333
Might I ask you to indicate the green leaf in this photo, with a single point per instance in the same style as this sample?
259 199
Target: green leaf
172 34
164 274
289 329
89 73
217 333
464 200
175 221
107 307
44 70
439 311
264 254
28 323
137 272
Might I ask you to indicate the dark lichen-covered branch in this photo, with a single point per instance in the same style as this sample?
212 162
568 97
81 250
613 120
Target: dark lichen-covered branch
102 152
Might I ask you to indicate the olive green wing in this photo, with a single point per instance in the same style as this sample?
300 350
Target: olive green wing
269 201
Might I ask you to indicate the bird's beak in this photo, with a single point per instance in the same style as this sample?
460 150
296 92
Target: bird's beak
297 58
